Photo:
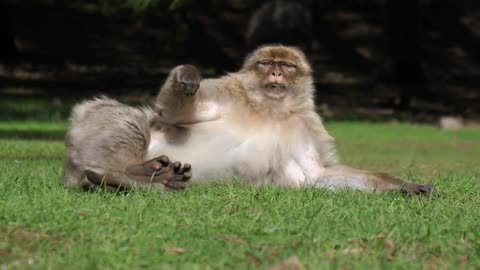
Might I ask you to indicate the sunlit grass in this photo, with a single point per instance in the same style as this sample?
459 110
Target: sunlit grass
44 225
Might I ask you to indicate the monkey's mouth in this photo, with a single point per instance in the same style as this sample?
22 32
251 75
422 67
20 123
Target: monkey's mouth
275 90
276 86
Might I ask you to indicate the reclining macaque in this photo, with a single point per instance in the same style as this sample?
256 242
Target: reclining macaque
258 125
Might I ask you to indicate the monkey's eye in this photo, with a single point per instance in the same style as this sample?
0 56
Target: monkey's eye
265 63
287 65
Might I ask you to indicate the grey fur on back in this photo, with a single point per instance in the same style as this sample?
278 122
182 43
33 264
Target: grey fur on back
104 134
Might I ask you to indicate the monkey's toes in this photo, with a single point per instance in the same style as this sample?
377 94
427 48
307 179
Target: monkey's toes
179 177
426 188
163 159
184 171
156 166
420 189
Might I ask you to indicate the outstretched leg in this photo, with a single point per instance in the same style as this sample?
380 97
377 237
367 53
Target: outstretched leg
336 177
106 146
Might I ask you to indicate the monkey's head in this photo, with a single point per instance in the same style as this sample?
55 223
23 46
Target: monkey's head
278 73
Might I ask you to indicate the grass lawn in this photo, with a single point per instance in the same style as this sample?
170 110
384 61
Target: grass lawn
44 225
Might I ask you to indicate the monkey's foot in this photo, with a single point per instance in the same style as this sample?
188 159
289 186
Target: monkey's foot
414 188
187 79
181 175
159 170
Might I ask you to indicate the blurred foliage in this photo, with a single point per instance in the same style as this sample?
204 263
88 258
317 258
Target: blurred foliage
129 7
178 13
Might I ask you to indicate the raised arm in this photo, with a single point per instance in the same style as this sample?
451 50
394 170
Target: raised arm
184 99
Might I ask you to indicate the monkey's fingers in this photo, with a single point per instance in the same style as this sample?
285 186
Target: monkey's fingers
188 79
190 89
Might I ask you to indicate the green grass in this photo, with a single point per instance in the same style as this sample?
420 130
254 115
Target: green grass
44 225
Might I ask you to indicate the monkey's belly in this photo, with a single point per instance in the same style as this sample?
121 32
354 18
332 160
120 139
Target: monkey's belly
212 156
257 157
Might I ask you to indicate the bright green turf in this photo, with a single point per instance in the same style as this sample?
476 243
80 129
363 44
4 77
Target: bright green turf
44 225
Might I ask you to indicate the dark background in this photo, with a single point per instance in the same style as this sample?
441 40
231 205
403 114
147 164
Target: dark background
394 58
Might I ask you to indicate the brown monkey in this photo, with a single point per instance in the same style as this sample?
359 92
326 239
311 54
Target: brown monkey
258 124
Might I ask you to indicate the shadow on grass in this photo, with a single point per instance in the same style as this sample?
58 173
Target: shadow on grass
33 135
34 108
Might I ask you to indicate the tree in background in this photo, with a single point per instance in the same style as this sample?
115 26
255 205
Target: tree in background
280 21
8 51
402 35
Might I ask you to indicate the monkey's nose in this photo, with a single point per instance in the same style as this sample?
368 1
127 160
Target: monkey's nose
276 74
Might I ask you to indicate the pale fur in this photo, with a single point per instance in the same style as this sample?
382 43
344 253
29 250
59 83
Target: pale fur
247 135
228 130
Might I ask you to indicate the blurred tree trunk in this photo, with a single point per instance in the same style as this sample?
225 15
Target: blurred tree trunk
287 22
7 42
402 30
447 19
326 34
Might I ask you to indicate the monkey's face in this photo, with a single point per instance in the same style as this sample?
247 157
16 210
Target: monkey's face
279 71
276 75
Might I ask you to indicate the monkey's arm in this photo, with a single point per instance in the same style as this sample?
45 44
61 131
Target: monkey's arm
183 100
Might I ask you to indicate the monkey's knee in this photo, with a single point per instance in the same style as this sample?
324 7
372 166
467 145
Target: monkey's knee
72 176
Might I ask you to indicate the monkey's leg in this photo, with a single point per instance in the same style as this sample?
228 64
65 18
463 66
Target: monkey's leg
336 177
106 145
155 172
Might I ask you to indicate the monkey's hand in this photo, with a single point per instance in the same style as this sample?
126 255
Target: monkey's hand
159 170
187 79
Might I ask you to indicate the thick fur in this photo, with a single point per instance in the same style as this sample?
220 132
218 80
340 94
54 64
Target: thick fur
232 127
251 139
104 136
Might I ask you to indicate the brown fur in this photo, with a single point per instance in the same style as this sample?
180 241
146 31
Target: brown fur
258 124
282 129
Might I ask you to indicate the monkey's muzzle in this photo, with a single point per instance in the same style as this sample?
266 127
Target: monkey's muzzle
276 86
275 90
